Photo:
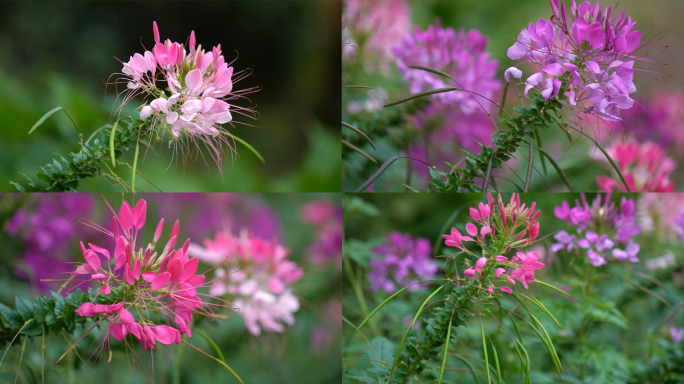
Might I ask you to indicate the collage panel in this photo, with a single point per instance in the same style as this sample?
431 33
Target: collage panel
515 288
511 96
149 96
170 288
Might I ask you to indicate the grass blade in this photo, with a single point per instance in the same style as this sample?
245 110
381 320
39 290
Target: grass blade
239 140
349 323
410 327
527 359
45 117
556 167
112 153
446 349
421 94
434 71
355 149
649 292
496 362
360 133
552 287
484 352
221 359
380 306
543 308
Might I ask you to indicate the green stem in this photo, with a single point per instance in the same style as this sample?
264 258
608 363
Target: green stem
112 152
23 349
135 162
27 322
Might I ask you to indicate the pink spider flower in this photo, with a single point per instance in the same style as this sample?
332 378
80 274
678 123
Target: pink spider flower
196 100
371 28
258 274
162 285
590 51
645 166
527 265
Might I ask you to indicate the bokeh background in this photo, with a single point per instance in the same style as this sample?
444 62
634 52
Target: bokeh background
40 240
615 352
60 54
660 94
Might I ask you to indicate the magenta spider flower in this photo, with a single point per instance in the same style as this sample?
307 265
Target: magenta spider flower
458 53
197 96
162 285
645 166
588 50
258 274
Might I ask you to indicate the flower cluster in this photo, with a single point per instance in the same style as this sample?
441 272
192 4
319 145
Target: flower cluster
46 230
198 86
501 228
658 213
589 54
326 218
599 229
258 274
404 261
155 285
645 166
375 26
459 54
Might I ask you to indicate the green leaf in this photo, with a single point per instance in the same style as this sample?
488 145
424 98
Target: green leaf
422 94
222 359
387 300
239 140
24 307
45 117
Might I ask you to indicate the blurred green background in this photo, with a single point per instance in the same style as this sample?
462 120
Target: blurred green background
61 53
306 352
501 21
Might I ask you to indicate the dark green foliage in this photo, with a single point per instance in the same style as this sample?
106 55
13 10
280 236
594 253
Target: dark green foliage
419 349
63 175
504 145
56 313
666 369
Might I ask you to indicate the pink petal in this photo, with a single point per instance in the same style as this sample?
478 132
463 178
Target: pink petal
499 271
126 216
99 250
155 31
86 310
118 331
93 260
158 231
136 269
120 252
193 80
196 280
128 275
160 280
139 214
149 276
507 290
189 268
469 272
166 335
135 329
475 214
484 231
126 316
491 289
501 259
176 269
105 289
471 229
98 276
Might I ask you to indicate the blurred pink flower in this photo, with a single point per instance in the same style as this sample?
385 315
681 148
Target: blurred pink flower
676 334
657 214
257 273
371 28
326 220
646 168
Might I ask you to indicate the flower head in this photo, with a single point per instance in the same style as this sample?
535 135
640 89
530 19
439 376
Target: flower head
258 273
645 166
599 229
458 53
588 50
158 286
195 102
404 260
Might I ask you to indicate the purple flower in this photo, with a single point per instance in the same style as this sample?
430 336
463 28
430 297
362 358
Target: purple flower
599 227
676 334
404 260
326 219
590 51
460 54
